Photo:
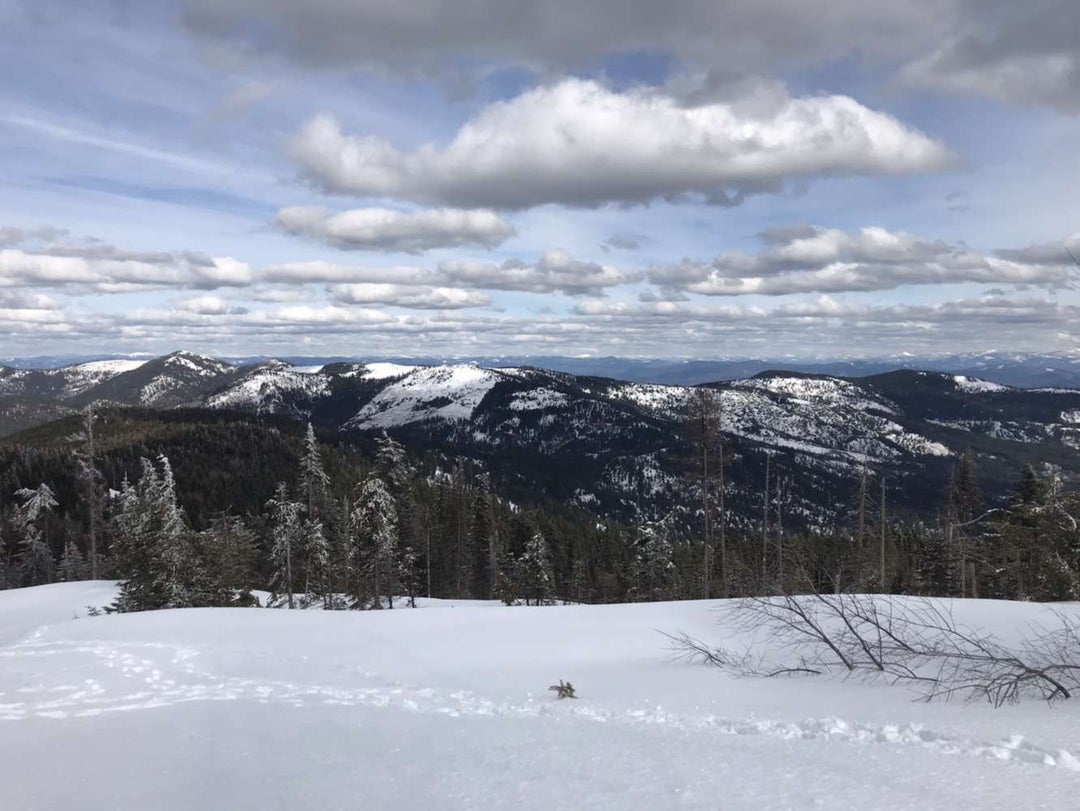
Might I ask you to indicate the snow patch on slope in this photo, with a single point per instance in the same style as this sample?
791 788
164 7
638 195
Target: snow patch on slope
448 393
385 371
973 385
538 399
108 366
265 387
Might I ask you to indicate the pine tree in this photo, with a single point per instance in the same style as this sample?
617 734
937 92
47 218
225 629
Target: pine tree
392 464
316 562
484 543
285 543
654 567
72 564
374 520
534 575
89 482
314 482
409 575
228 547
154 556
35 559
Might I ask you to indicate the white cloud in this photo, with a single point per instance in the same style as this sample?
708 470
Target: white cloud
385 229
430 298
579 143
556 271
209 305
806 259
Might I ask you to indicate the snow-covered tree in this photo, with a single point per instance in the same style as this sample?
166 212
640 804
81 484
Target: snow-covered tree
154 558
375 531
409 574
316 562
533 570
392 465
654 566
314 483
286 540
72 564
228 547
89 481
35 558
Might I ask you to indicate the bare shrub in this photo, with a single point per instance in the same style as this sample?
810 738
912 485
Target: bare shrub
912 641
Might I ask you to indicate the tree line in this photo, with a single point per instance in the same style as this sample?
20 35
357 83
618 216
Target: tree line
361 528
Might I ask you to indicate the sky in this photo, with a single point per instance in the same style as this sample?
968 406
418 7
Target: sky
368 178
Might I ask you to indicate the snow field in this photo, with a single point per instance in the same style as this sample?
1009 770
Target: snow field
446 706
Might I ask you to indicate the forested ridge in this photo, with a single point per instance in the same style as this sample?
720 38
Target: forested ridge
196 507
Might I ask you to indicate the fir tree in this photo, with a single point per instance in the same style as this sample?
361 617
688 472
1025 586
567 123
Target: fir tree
654 567
89 482
316 562
285 543
376 538
534 575
314 482
35 559
72 564
154 558
228 547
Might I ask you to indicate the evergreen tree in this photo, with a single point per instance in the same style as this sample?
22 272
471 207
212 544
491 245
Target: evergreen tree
314 482
654 567
154 557
72 564
376 539
228 548
533 569
285 534
35 559
484 543
316 562
90 486
392 464
409 575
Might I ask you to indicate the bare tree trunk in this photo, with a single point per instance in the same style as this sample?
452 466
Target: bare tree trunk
765 525
779 533
881 582
724 579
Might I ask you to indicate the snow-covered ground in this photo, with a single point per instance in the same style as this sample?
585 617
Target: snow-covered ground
446 707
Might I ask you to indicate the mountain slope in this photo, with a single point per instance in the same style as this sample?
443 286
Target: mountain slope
619 448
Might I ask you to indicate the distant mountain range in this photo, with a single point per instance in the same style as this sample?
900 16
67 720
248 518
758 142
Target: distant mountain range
616 447
1017 369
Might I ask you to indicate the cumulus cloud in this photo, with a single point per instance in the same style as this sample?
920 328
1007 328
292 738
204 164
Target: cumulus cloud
209 305
427 298
97 266
805 259
579 143
385 229
554 272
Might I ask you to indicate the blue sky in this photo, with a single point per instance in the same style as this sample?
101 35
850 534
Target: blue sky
732 179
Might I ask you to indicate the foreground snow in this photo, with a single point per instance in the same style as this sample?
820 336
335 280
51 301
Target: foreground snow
447 707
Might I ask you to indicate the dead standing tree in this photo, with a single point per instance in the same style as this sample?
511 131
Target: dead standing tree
705 424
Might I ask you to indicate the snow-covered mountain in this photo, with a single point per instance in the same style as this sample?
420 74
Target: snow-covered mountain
613 446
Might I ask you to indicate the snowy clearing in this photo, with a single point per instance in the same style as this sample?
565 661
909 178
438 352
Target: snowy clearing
447 707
